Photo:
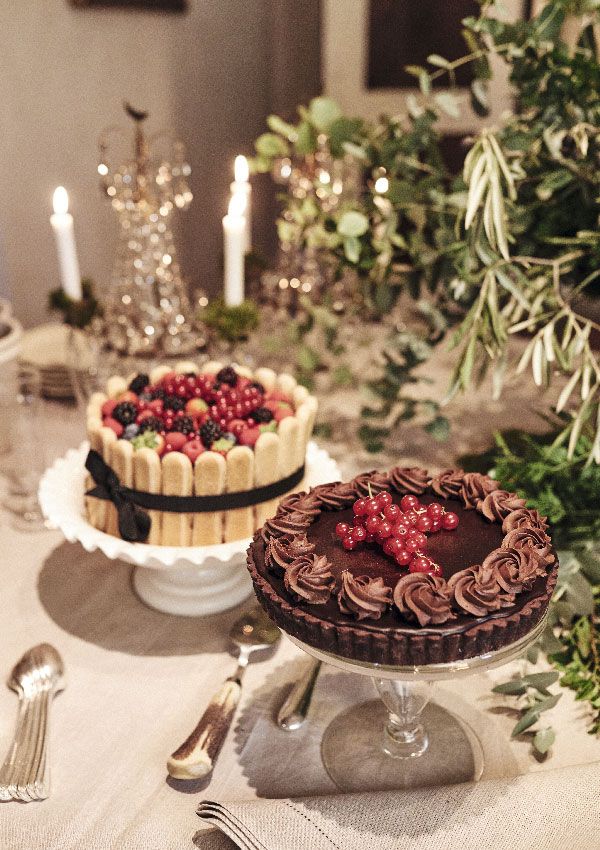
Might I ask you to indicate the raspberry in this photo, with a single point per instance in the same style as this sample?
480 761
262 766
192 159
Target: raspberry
157 392
210 432
256 385
184 424
125 412
228 375
173 402
139 383
261 414
150 423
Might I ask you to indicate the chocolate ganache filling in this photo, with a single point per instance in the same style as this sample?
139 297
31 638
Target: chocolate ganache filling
520 538
499 503
475 487
448 483
336 496
370 483
514 569
284 523
409 479
281 551
524 518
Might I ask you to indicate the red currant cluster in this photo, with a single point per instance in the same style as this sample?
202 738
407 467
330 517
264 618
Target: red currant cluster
401 529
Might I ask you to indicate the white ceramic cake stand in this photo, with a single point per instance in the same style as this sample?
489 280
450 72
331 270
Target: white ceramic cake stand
405 741
191 581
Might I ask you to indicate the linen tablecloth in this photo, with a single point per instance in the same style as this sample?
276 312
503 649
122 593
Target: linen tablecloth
137 681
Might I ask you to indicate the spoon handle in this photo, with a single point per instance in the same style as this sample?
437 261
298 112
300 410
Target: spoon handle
196 757
294 709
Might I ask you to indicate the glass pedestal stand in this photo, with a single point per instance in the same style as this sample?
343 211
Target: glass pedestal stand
404 740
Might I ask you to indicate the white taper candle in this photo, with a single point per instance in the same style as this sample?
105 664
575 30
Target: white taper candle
234 225
62 224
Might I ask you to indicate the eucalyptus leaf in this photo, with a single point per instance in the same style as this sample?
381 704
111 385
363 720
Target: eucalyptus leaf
514 687
543 740
323 112
353 223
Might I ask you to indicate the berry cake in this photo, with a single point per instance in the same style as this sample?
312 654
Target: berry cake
404 568
215 431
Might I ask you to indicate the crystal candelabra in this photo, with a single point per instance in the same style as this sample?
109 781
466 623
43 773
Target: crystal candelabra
146 308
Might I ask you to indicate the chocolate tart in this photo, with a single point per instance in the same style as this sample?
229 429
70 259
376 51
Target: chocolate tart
499 570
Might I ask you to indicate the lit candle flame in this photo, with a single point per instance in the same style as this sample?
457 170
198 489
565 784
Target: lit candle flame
60 200
241 169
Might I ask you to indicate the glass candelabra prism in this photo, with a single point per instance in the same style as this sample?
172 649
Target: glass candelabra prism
146 307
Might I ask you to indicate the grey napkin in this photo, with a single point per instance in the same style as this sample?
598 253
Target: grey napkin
550 810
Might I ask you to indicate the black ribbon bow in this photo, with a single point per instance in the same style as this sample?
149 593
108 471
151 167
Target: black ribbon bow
134 523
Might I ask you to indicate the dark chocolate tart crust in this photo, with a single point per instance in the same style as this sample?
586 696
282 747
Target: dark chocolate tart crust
300 570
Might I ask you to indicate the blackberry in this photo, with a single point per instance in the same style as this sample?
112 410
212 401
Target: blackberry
256 385
173 402
139 382
157 392
150 423
125 412
228 375
210 432
261 414
184 424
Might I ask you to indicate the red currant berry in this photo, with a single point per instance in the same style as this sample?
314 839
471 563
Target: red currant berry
449 521
348 543
371 506
396 544
420 564
436 525
385 529
358 534
388 546
401 530
360 520
424 523
369 538
411 517
359 507
392 512
383 500
403 558
342 529
435 510
373 524
409 502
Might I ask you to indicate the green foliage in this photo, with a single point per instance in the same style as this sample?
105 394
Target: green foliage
533 699
230 323
78 314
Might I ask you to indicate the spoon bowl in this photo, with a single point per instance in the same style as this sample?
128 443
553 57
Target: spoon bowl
40 669
254 630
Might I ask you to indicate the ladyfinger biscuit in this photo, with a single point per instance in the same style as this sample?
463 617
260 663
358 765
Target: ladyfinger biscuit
209 480
266 377
177 480
239 523
107 438
115 386
286 383
95 403
300 394
158 373
95 508
266 466
211 368
184 367
121 462
244 371
147 477
306 419
290 446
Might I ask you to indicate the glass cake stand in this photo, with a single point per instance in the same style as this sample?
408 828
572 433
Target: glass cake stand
404 740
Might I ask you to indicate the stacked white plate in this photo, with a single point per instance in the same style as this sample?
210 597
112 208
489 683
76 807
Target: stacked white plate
10 333
49 348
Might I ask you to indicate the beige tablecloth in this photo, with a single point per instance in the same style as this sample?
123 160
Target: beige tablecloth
137 681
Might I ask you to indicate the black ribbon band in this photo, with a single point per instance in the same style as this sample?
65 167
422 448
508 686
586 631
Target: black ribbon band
128 502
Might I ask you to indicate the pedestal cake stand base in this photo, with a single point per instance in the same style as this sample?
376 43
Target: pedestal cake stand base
405 741
192 581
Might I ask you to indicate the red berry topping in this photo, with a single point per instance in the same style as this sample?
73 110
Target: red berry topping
349 544
371 506
424 523
403 558
436 525
193 449
373 524
359 507
401 530
409 502
420 564
411 517
392 512
385 529
449 521
109 406
175 441
383 500
342 529
115 426
435 510
358 534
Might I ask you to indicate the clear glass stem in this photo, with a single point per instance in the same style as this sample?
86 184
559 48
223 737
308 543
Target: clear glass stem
404 736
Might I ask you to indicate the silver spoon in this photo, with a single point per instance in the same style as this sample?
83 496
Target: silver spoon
36 678
196 757
293 711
